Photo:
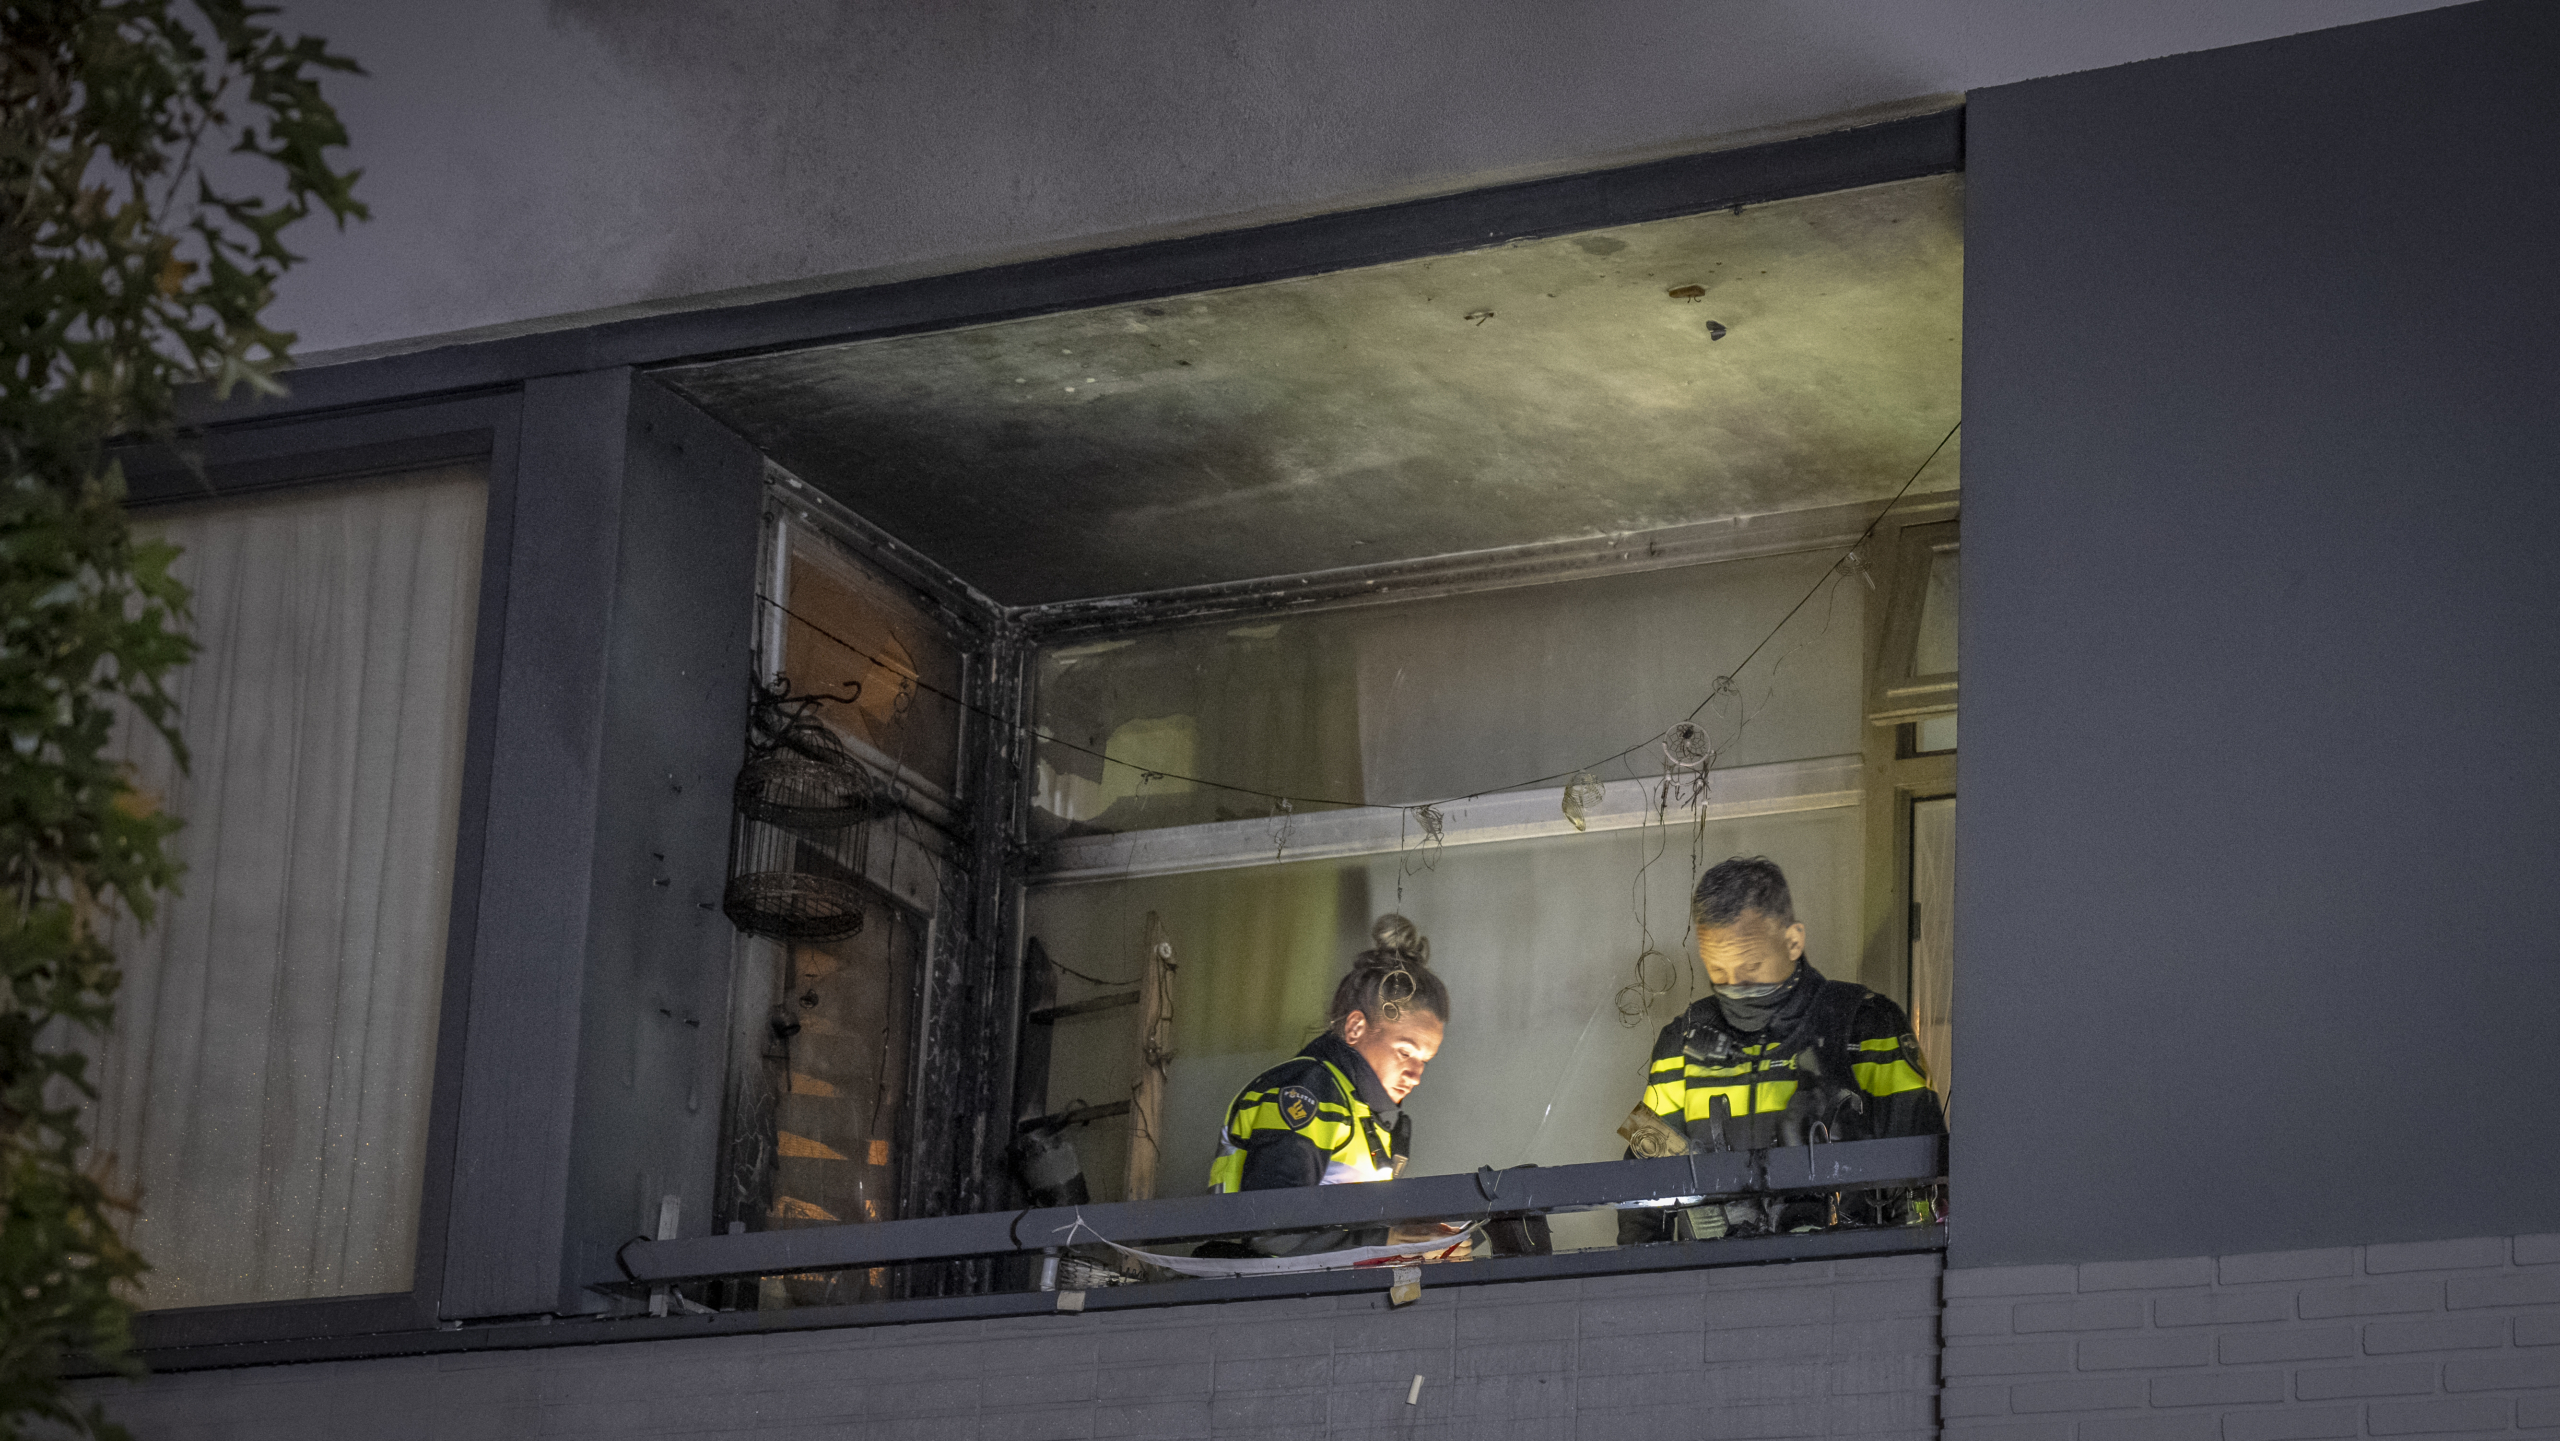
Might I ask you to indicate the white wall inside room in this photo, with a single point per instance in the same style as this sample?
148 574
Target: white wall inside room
1396 705
534 159
1534 937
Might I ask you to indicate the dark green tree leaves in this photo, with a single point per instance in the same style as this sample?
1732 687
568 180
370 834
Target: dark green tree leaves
126 274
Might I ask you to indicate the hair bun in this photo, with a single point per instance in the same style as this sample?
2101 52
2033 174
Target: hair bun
1400 941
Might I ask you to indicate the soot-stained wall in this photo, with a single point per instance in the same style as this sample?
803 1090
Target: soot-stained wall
528 159
2261 800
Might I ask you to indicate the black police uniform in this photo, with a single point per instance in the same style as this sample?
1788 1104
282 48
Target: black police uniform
1835 1060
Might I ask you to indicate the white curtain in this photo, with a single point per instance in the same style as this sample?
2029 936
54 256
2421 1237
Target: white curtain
266 1086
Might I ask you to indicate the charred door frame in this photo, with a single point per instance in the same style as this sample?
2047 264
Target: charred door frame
966 993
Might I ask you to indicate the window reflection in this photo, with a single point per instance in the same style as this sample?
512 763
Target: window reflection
265 1089
1935 652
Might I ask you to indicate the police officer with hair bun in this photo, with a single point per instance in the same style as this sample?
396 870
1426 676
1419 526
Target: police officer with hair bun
1334 1113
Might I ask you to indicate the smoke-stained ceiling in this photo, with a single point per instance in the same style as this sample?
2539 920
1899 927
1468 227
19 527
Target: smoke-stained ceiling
1785 356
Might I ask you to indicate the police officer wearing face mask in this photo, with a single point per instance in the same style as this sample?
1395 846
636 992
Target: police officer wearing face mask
1777 1055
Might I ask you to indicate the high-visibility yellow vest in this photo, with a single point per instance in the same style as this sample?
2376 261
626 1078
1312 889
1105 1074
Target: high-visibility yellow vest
1759 1079
1700 1069
1319 1104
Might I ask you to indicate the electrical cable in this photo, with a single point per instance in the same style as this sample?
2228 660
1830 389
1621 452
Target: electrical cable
1059 965
1564 1078
1724 681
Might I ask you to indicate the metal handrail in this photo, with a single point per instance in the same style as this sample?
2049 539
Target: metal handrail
1846 1166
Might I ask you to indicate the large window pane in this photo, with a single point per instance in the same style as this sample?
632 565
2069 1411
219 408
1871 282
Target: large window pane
823 1076
1535 939
887 668
1399 704
1934 651
266 1087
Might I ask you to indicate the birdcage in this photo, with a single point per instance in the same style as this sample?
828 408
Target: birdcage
797 837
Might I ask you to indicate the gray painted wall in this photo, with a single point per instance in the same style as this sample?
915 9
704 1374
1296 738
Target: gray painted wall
539 158
2261 805
652 1048
600 981
519 1065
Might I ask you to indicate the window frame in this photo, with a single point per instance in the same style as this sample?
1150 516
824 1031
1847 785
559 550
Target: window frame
951 962
276 459
1898 563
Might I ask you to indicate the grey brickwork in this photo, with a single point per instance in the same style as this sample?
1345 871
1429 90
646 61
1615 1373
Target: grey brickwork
2429 1339
1843 1348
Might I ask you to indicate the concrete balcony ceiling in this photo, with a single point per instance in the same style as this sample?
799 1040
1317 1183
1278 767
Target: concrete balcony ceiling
1785 356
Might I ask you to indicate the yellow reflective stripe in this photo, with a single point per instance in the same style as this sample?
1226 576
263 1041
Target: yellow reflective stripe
1702 1100
1881 1043
1335 1131
1722 1072
1326 1131
1747 1099
1251 1099
1353 1152
1887 1079
1667 1065
1329 1135
1662 1100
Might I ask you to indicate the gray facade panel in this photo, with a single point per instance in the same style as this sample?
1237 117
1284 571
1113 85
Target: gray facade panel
2260 349
510 1181
654 1022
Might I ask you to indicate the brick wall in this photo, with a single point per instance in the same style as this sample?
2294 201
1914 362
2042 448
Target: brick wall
2427 1339
1820 1349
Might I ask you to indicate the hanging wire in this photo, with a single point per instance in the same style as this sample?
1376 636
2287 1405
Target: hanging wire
1435 828
1282 806
1425 854
1655 973
1059 965
1685 748
1856 547
1581 793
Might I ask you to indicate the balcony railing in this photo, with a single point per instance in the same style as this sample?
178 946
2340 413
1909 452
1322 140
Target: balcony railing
1488 1193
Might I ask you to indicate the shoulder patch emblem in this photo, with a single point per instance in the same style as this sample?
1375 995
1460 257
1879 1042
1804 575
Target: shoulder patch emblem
1911 1053
1297 1106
